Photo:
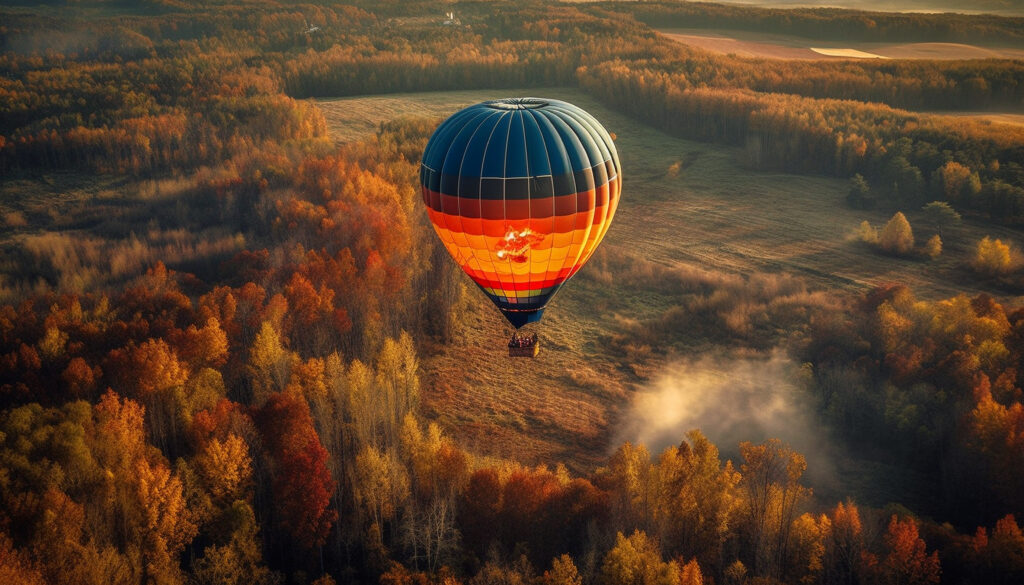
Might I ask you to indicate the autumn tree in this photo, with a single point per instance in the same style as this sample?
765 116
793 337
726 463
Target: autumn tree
636 560
896 237
239 560
16 568
563 572
270 364
225 467
957 181
998 557
632 488
301 482
771 485
382 489
805 557
698 502
162 521
81 379
867 233
690 574
206 346
844 543
147 496
905 561
994 258
438 471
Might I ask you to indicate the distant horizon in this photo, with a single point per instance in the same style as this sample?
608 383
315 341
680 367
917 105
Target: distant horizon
998 7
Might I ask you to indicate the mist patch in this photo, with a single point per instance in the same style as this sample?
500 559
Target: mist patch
731 399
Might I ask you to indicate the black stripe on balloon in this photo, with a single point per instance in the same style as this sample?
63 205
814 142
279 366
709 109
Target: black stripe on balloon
517 187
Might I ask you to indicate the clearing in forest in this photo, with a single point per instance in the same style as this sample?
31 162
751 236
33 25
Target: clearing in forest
684 203
778 46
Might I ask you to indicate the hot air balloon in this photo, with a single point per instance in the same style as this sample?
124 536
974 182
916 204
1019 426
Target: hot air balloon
521 191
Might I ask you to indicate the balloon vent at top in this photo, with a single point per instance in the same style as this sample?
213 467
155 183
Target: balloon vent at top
521 191
517 103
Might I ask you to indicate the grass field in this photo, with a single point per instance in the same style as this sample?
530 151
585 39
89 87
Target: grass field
776 46
713 214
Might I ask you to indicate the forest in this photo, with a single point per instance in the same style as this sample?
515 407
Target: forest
213 375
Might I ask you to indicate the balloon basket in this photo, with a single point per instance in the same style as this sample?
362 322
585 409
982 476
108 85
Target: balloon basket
529 351
524 346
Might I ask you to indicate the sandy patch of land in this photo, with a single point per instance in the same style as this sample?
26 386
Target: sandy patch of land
743 44
846 53
775 46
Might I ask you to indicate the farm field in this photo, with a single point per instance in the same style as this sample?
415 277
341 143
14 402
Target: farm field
776 46
999 118
713 214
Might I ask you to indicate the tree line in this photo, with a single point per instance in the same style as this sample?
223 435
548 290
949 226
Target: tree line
905 157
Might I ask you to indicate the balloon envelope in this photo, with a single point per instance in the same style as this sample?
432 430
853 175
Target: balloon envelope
521 191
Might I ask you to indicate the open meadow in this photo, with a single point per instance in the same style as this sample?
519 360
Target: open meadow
687 206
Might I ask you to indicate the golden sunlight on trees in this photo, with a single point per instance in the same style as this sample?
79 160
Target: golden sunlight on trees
867 233
843 545
382 488
163 521
896 237
697 499
959 183
225 467
16 568
563 572
636 560
994 258
771 483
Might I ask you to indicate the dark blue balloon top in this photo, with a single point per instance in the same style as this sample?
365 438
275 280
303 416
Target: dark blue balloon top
515 138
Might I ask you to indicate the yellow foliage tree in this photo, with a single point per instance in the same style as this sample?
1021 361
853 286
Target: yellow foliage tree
636 560
867 234
225 467
896 237
993 258
270 364
563 572
161 519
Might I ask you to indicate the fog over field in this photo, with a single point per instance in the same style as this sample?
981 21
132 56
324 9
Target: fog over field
731 399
